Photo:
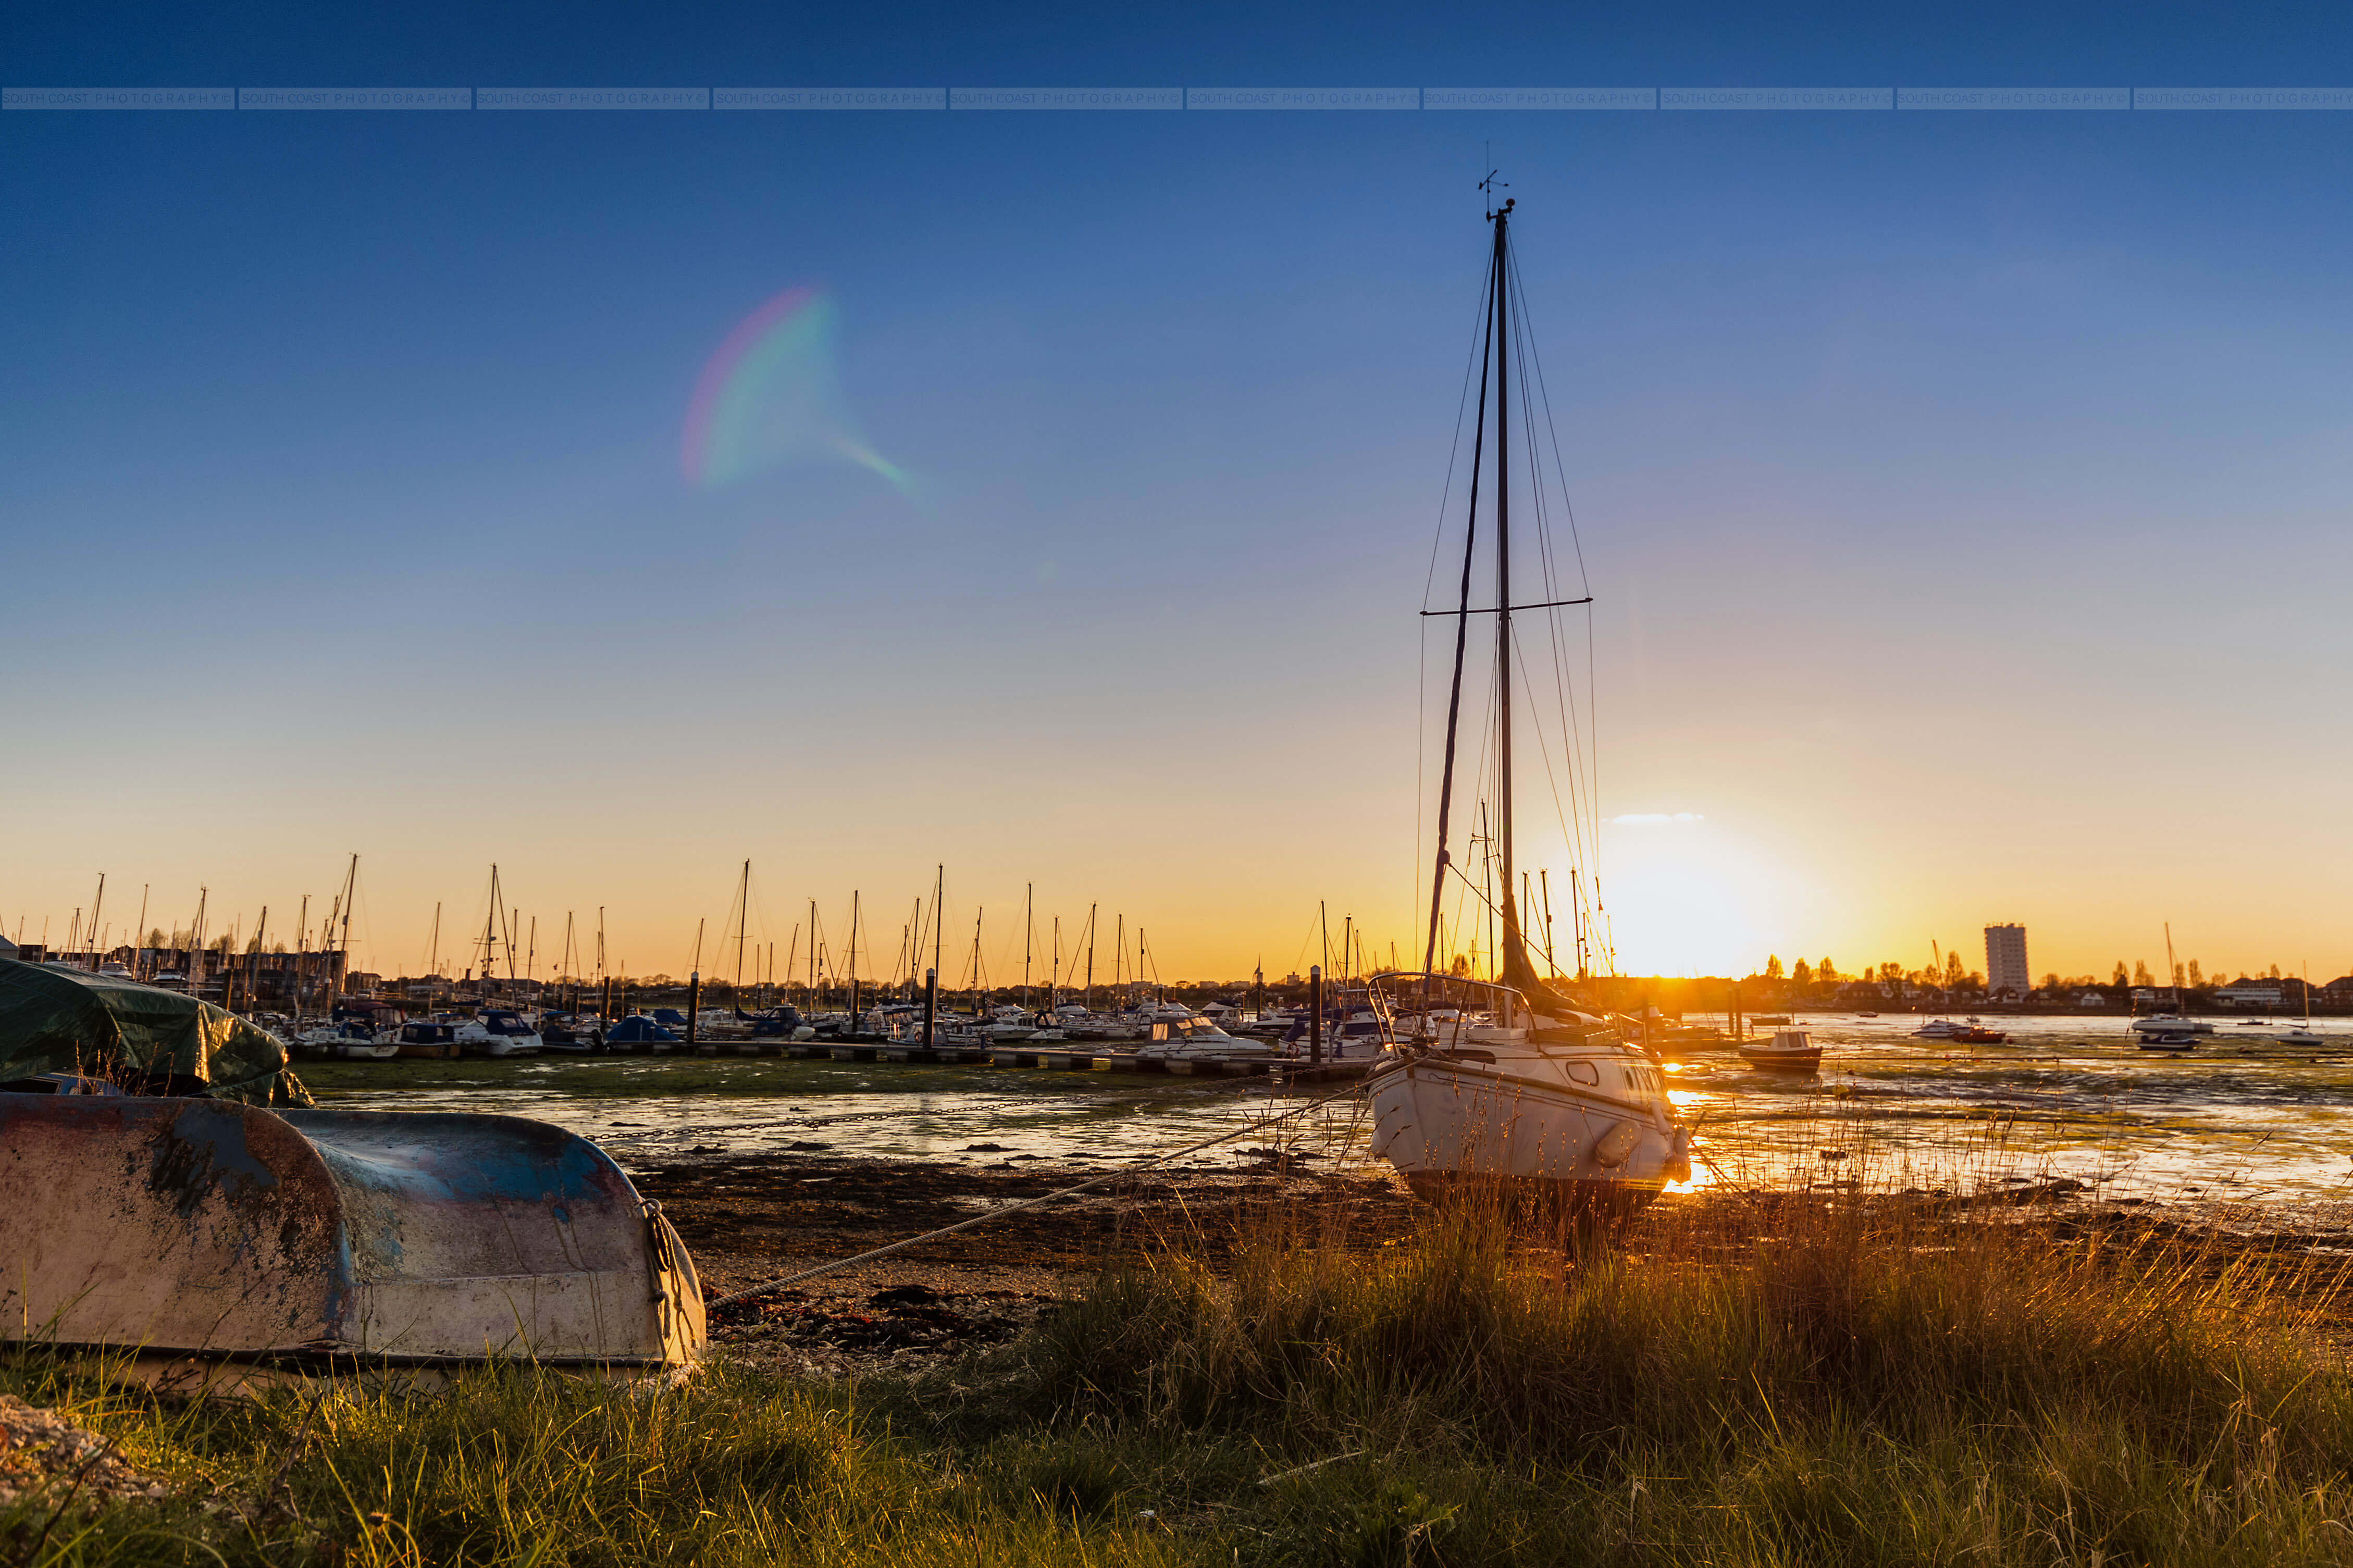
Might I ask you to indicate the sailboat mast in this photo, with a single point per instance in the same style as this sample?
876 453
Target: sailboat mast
489 934
1091 957
302 958
1461 642
743 919
1504 574
344 944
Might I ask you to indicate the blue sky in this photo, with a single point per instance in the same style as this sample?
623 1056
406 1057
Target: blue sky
1963 493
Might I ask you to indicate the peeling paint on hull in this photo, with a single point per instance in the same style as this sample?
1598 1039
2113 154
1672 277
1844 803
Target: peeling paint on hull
184 1227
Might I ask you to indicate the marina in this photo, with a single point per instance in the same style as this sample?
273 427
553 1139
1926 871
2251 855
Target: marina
1729 952
2060 1102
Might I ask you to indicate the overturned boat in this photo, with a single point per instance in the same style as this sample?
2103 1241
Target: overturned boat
226 1241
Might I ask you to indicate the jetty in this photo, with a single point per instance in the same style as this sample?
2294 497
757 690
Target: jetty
1293 1069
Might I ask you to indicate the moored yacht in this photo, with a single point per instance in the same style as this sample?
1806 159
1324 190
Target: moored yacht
497 1032
1178 1039
1787 1050
1553 1099
1522 1089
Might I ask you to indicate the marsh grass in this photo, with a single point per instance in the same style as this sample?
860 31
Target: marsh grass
1756 1378
1760 1379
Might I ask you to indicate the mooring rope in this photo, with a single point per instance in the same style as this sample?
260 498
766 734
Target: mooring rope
1258 1126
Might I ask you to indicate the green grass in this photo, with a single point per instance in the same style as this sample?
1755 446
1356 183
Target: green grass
1779 1383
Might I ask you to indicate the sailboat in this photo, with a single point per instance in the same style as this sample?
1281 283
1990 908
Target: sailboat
2174 1031
2303 1035
1504 1081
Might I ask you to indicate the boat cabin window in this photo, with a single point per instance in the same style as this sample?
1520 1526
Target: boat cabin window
1584 1072
1159 1031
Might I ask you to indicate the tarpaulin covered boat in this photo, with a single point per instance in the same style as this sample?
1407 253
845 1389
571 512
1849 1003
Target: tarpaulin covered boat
55 1018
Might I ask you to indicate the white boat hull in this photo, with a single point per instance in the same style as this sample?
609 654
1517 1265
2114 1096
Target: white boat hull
1441 1123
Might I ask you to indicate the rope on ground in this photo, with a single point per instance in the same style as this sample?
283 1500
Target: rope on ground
1259 1125
689 1129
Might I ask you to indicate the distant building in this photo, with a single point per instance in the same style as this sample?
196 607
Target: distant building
2338 992
2253 994
2006 961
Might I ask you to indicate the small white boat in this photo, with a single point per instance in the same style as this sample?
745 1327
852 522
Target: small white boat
347 1041
1789 1050
1175 1039
1936 1029
2169 1024
498 1032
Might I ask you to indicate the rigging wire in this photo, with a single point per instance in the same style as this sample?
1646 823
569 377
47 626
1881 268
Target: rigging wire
1524 350
1430 579
1577 541
1581 745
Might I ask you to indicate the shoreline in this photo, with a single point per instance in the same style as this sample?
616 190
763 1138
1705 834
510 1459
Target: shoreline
746 1220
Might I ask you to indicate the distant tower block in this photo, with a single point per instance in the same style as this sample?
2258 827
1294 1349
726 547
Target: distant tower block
2005 960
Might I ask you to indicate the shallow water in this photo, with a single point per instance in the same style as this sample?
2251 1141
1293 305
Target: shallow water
2238 1121
647 1111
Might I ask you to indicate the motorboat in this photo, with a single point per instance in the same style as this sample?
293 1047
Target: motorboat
2169 1024
425 1037
1079 1024
569 1033
1787 1050
1937 1029
1976 1034
1273 1022
1358 1032
1674 1036
497 1032
2176 1042
350 1040
1190 1037
898 1022
1008 1024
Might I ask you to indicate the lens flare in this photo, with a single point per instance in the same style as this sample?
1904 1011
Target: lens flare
770 397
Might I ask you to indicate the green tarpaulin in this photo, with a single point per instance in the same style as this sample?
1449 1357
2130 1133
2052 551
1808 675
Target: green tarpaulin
56 1019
